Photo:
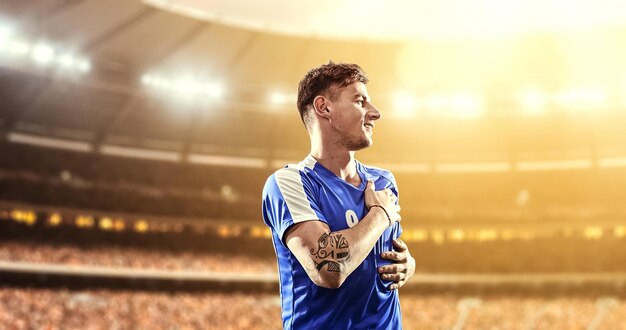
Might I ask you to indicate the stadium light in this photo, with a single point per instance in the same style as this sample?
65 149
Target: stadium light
84 66
507 235
84 221
457 235
581 98
54 219
42 53
593 232
533 101
119 225
147 79
455 105
278 98
405 104
71 61
5 36
465 105
19 47
419 235
438 236
159 82
214 90
105 223
141 226
66 61
184 86
28 217
435 102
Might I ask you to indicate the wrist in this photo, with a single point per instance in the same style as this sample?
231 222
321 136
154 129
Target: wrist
378 206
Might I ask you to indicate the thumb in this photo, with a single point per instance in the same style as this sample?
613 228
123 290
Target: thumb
370 184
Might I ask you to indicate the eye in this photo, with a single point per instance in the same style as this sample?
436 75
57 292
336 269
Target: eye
359 102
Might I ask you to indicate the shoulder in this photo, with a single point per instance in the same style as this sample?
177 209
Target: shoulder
289 176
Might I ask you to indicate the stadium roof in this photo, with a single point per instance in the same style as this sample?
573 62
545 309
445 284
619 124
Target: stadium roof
403 19
219 77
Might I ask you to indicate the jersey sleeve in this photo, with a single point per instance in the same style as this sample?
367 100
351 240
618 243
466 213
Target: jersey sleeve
289 198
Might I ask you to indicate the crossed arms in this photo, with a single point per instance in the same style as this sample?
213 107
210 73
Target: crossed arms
330 257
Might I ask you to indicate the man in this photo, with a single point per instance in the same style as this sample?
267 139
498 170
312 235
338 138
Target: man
334 221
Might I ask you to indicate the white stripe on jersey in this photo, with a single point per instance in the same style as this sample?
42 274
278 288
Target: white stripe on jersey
308 162
290 185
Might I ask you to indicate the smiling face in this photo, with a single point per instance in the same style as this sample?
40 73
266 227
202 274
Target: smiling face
352 116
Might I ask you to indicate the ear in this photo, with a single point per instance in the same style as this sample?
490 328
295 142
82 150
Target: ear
320 105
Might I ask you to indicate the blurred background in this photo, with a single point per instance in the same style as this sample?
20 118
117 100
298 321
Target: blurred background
136 136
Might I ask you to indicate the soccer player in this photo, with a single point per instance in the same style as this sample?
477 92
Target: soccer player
335 221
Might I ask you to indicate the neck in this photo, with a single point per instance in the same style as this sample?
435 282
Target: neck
338 160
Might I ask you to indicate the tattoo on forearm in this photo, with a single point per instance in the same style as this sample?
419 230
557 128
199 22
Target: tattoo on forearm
332 250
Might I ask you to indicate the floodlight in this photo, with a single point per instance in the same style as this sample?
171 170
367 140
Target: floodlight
19 47
42 53
405 104
278 98
84 65
214 89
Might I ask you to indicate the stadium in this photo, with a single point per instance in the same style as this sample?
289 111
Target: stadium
136 137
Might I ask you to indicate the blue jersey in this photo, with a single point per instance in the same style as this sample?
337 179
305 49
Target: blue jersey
309 191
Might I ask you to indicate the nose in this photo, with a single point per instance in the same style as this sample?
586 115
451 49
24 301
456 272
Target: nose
373 113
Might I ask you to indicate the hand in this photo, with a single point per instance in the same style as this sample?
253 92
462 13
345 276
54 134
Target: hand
385 198
402 268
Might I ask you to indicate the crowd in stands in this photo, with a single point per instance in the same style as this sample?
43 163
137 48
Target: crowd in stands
112 184
511 312
210 252
33 308
132 257
538 256
102 309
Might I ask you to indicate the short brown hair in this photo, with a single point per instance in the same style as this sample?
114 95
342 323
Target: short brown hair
325 80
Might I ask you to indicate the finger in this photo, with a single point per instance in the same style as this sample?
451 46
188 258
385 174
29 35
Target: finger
399 245
395 256
393 277
392 269
393 286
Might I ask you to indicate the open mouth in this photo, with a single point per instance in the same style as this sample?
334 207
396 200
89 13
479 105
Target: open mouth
370 126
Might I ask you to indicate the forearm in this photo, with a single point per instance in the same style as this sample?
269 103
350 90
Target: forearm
339 253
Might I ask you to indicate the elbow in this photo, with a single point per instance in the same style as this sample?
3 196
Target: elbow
329 280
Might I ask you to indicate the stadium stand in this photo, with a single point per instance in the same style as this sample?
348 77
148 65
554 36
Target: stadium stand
68 309
135 141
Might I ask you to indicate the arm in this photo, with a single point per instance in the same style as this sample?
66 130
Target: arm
330 257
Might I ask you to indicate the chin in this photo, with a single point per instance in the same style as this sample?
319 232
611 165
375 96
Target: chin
355 142
359 145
